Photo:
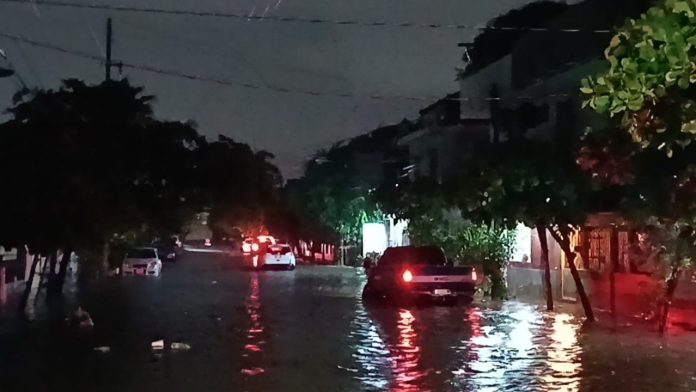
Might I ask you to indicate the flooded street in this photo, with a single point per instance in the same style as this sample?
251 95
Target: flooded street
307 330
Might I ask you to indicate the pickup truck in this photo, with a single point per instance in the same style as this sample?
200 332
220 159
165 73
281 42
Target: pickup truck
409 273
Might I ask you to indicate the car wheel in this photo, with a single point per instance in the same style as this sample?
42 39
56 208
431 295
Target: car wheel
291 267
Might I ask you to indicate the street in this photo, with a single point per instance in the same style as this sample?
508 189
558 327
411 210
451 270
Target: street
307 330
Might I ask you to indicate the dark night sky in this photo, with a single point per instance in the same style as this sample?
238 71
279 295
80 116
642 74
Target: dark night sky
327 58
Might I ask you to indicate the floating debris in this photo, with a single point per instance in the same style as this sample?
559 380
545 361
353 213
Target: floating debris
103 349
178 346
253 372
157 345
347 369
83 319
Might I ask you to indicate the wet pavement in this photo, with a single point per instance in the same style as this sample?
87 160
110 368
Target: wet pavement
307 330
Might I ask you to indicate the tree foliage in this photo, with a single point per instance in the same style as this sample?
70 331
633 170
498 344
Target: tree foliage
90 167
535 183
434 219
88 162
240 185
651 76
335 195
650 85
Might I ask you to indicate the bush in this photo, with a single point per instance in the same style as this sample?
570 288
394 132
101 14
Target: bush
467 244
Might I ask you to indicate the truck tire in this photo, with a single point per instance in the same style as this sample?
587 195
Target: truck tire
369 294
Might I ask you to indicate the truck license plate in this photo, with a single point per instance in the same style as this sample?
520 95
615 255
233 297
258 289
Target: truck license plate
439 292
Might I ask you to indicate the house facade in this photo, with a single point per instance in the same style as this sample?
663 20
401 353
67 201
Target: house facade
13 272
533 92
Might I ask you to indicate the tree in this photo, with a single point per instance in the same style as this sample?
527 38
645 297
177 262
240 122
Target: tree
650 85
88 163
333 193
650 80
239 185
534 183
434 219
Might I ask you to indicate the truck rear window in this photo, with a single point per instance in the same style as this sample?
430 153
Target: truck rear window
430 255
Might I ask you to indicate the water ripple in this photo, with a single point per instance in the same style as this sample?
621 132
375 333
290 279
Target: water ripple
514 347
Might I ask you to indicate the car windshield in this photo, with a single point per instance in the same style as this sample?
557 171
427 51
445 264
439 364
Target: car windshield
141 254
413 255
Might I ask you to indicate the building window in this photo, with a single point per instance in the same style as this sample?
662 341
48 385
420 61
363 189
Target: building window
593 249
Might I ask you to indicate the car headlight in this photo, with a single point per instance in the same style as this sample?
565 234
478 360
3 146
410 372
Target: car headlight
153 264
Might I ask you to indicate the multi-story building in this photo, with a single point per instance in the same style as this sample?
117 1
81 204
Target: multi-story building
533 92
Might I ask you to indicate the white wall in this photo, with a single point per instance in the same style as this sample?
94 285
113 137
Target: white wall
476 88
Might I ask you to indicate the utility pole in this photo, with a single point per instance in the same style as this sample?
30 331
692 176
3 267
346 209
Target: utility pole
107 63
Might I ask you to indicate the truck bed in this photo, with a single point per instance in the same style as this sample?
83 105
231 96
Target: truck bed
441 281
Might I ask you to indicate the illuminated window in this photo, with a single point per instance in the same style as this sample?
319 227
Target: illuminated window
523 244
374 238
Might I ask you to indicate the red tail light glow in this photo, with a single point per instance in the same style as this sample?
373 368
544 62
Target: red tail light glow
407 276
246 248
474 277
254 247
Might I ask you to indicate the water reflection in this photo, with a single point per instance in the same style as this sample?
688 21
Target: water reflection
514 347
253 349
406 355
370 352
564 355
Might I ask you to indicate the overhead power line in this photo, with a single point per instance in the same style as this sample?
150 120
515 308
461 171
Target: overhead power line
299 19
232 83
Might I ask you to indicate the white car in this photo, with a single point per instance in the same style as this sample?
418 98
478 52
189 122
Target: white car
279 255
142 261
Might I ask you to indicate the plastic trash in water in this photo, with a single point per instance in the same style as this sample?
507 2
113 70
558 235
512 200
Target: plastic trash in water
178 346
253 372
157 344
83 319
103 349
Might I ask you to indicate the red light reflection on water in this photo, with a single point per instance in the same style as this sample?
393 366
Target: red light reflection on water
475 322
254 333
406 355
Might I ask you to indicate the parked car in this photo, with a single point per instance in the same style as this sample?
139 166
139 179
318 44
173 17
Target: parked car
409 273
279 255
251 245
142 261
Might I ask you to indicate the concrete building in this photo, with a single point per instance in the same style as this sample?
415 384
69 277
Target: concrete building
533 92
442 139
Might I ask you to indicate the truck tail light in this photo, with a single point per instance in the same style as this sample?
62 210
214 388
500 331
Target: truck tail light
474 277
246 248
254 247
407 276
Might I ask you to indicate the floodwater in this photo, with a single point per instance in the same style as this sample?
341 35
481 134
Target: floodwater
308 330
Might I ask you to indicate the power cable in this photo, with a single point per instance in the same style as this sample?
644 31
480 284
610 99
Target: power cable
226 82
298 19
